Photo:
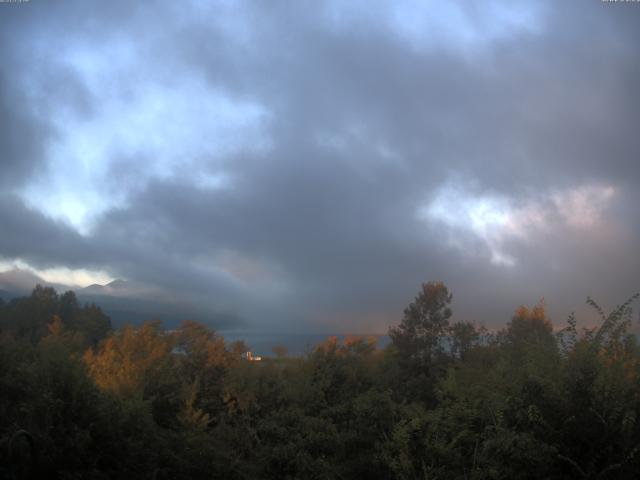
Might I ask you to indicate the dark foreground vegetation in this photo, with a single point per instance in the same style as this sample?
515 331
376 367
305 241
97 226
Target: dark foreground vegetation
443 401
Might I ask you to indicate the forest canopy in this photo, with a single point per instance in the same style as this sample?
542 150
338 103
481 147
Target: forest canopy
445 399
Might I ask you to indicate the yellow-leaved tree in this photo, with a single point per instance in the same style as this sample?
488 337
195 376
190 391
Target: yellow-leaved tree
132 362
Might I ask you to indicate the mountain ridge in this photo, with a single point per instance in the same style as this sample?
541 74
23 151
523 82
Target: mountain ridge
122 300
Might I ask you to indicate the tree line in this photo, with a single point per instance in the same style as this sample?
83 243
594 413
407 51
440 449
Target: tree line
444 400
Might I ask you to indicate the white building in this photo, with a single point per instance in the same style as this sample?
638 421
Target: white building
251 358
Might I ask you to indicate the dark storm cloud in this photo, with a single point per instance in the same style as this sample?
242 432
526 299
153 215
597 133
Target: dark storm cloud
365 129
20 156
29 234
22 133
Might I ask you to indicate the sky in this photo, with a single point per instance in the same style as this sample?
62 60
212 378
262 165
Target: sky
307 165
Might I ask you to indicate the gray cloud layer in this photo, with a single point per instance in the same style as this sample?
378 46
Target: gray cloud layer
362 128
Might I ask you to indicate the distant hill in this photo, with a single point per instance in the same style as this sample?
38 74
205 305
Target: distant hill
123 301
135 310
93 289
7 295
115 287
131 302
20 282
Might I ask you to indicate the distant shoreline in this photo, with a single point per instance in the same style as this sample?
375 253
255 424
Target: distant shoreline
297 344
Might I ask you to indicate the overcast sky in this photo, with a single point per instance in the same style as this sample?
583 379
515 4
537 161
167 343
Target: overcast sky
308 164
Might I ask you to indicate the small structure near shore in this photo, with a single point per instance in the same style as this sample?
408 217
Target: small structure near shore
251 358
